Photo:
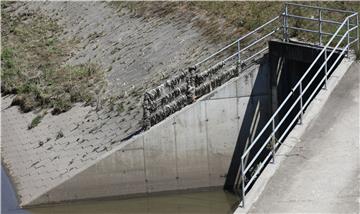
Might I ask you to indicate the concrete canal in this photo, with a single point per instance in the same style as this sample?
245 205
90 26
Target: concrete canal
210 201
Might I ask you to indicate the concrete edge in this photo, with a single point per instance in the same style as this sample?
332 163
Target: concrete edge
294 136
86 166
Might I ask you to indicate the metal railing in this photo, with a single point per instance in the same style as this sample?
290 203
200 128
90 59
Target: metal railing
206 75
238 44
324 57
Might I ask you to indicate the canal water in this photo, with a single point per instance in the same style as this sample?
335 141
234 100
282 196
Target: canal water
212 202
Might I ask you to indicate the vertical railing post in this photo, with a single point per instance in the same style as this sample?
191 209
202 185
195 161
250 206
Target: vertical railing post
242 183
285 23
348 36
273 141
357 31
320 27
239 59
326 69
238 51
301 104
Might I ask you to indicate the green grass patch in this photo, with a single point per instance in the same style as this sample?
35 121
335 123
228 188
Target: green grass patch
32 60
36 121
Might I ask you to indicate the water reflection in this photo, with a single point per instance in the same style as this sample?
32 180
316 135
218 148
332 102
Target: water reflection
212 202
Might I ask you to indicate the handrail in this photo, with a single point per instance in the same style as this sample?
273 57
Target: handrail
245 167
292 122
153 113
297 84
236 41
178 91
249 46
295 102
315 19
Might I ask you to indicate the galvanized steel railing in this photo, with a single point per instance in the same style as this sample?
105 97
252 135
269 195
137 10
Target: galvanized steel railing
238 43
206 75
246 181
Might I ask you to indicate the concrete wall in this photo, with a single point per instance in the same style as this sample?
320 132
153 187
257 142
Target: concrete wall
190 149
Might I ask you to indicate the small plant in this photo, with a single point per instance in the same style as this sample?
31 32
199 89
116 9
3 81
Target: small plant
7 58
59 135
120 108
36 121
34 71
111 103
357 53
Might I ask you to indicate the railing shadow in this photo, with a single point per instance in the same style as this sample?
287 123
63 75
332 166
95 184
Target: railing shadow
257 113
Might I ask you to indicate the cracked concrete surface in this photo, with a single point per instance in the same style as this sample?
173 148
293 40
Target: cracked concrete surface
321 173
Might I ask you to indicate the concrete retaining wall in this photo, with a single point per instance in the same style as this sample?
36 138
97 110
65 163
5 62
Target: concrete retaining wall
190 149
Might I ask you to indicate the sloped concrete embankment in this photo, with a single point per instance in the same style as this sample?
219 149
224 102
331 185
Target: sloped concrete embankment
189 150
135 52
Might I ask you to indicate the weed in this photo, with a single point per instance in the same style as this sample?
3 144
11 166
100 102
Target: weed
95 35
111 103
61 105
36 121
224 21
59 135
26 103
120 108
31 60
7 58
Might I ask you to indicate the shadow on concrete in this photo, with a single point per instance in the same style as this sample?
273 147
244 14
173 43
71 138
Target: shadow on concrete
257 113
286 63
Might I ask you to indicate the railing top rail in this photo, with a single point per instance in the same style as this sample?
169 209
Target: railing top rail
321 8
313 19
238 40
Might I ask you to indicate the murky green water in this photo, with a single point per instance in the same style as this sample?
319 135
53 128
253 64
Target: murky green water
215 201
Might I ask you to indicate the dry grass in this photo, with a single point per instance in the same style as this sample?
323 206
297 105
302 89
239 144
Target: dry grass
225 21
32 56
32 60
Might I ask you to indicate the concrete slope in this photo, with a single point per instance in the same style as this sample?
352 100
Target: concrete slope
190 149
321 173
136 53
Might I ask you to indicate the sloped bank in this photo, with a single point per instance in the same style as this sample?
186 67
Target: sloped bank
40 158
